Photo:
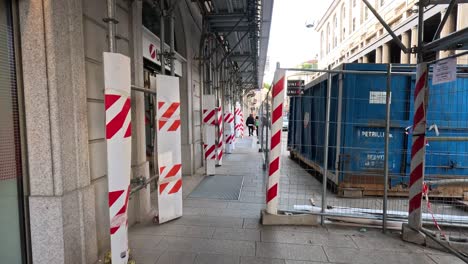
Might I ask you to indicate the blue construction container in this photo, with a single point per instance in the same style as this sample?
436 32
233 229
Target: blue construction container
357 129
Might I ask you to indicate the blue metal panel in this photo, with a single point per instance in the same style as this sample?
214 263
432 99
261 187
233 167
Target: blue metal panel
361 145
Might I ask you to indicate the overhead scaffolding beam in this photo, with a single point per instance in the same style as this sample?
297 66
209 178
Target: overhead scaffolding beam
387 27
452 4
458 40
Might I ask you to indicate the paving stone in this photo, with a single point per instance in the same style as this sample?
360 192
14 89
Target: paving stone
144 241
176 230
445 259
197 203
176 257
385 242
373 256
237 234
213 246
216 259
257 260
309 238
250 206
290 251
252 223
145 256
288 261
214 221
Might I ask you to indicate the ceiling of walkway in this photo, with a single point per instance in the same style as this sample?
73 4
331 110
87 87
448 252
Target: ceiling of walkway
243 27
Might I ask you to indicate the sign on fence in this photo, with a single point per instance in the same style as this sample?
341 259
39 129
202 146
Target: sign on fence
445 71
295 87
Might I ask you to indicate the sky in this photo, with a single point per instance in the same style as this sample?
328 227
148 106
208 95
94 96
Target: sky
291 42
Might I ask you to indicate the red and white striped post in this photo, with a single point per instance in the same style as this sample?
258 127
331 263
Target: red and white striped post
220 145
275 141
209 123
418 148
229 133
119 149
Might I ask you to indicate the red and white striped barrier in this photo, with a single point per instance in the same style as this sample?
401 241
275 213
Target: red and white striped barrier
169 148
209 124
418 148
275 142
220 145
119 149
229 134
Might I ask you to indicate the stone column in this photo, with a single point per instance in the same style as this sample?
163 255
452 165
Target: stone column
378 55
140 166
61 197
360 60
386 53
448 28
365 59
462 22
414 43
405 39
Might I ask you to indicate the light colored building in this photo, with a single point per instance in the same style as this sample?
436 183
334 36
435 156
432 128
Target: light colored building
349 32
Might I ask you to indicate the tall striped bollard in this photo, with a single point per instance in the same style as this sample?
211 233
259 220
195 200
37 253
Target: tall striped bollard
418 148
275 140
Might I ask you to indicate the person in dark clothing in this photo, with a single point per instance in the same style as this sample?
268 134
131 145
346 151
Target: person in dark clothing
250 122
257 124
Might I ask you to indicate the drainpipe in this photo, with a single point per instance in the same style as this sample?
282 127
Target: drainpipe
172 48
111 21
161 38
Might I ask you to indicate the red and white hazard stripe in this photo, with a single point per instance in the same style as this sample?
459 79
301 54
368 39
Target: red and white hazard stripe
171 171
117 111
210 151
418 148
118 204
171 187
220 146
168 116
210 117
275 152
228 117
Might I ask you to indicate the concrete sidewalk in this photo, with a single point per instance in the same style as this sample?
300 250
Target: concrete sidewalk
219 231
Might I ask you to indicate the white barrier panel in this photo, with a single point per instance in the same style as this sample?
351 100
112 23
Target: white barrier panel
169 148
119 147
229 133
209 122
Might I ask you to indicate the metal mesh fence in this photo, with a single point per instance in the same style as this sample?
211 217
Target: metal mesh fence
357 185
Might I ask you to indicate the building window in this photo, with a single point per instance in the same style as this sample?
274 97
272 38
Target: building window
335 31
328 37
366 13
322 44
354 3
343 20
382 2
354 24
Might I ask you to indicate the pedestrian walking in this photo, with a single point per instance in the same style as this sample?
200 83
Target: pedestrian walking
257 124
250 122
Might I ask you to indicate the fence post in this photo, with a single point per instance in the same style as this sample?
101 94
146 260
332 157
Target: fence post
387 141
274 170
418 148
325 149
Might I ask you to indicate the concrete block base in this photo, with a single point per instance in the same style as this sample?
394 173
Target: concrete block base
413 236
283 219
416 237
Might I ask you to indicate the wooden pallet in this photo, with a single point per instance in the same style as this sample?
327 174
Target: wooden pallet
369 187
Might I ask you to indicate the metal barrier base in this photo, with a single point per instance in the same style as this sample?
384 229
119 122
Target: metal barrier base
283 218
